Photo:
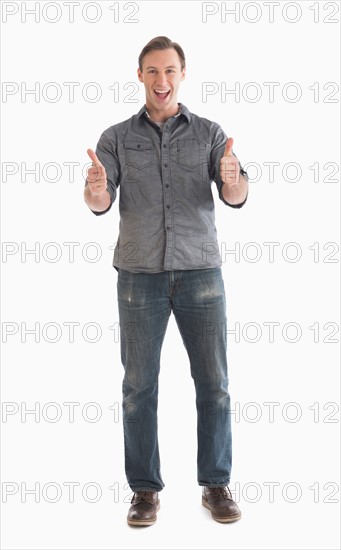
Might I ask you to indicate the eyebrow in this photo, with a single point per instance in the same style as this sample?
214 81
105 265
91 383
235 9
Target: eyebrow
170 67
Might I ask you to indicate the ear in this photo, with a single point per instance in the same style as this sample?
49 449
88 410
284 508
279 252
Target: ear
183 73
139 75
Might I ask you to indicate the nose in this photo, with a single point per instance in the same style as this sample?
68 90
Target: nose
162 81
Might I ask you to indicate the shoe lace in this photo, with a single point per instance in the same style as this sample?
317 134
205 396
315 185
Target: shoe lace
223 493
142 496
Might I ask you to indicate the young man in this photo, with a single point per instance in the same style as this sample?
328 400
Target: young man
164 159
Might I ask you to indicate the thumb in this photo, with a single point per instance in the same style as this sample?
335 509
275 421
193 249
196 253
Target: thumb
228 148
93 157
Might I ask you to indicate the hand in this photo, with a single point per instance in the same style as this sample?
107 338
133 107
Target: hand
96 176
229 165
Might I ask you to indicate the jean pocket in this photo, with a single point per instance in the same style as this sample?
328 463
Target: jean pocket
190 152
138 153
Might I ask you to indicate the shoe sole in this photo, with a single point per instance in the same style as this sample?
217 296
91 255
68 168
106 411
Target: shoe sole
228 519
143 522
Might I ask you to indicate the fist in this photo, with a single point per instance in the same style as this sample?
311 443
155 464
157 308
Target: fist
96 175
229 165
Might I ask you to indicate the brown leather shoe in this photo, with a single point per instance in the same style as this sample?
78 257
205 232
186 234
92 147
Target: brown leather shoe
219 500
143 509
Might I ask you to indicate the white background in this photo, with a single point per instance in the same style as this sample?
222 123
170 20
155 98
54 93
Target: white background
296 451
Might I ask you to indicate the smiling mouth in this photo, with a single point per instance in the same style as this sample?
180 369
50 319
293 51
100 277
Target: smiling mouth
161 94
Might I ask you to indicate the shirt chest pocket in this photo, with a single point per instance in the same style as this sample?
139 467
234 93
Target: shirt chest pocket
138 154
190 152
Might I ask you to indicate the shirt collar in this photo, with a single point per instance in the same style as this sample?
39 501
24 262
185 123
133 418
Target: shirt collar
183 111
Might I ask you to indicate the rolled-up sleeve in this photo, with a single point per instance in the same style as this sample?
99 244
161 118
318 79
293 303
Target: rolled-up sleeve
106 152
218 143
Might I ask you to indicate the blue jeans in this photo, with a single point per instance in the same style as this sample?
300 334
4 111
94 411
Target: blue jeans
197 299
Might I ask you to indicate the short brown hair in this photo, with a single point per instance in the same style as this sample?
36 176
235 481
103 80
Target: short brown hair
162 43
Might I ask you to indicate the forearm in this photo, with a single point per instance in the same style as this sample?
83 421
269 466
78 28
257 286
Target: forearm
98 203
235 193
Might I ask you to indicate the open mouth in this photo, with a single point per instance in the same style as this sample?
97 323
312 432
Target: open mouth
162 94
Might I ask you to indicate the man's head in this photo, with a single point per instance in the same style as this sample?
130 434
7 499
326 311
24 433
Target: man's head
162 67
162 43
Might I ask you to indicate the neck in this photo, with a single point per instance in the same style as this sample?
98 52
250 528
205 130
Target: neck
162 116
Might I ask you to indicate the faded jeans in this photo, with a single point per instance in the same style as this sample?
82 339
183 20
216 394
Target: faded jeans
197 299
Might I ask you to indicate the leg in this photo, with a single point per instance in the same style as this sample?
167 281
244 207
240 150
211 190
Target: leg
200 312
144 311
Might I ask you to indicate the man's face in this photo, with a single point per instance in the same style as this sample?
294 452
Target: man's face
161 72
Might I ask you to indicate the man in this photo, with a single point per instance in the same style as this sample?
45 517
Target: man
164 160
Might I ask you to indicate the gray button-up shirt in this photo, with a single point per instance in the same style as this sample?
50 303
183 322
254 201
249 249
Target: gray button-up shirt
166 205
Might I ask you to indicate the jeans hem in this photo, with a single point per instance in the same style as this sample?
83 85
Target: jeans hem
213 484
136 489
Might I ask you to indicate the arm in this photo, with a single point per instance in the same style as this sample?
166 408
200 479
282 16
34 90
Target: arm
103 176
236 187
233 194
97 202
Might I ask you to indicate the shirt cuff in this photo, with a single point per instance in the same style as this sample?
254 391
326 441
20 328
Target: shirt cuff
112 198
103 211
240 204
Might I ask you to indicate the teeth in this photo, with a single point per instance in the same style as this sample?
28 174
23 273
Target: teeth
161 91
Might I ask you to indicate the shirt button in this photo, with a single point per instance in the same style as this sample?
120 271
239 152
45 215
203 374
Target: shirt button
138 146
166 165
168 206
164 145
169 227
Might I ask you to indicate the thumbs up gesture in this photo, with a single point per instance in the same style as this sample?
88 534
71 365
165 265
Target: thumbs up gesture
229 165
96 175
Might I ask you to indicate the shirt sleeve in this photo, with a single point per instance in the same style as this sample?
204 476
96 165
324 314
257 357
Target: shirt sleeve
218 143
107 153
